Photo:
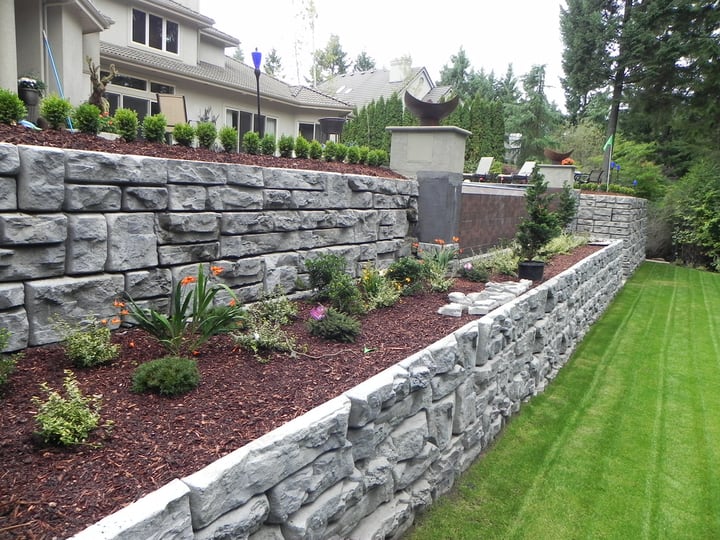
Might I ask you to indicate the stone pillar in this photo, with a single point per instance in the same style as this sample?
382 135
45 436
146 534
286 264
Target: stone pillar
439 197
8 53
427 148
557 175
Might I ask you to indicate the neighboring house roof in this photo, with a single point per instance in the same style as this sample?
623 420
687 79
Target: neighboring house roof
234 74
176 9
362 87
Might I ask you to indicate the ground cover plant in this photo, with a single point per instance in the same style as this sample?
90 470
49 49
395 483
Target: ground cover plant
623 443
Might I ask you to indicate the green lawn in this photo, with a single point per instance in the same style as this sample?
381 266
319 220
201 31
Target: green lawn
625 443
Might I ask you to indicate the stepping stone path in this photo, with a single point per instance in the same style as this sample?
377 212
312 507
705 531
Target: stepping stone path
482 303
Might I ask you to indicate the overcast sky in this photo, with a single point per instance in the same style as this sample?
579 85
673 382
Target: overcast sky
494 33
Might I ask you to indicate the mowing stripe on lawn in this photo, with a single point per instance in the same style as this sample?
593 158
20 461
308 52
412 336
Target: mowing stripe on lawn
624 443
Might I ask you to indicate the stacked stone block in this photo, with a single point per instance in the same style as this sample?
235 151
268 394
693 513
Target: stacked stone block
364 464
616 217
78 229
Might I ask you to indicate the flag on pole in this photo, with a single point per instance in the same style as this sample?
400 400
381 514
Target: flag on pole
608 143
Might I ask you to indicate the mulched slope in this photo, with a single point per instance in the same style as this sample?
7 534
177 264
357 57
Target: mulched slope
54 493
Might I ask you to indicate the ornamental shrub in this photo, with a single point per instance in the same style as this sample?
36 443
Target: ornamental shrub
251 143
353 154
302 147
126 124
184 134
408 273
323 268
316 150
228 136
86 118
364 151
55 110
340 152
267 145
154 128
330 151
376 158
12 108
336 326
206 133
90 346
167 376
67 420
286 145
344 294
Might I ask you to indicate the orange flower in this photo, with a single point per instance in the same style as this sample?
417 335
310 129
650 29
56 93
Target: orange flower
119 304
115 320
131 344
456 239
216 270
103 321
232 303
188 280
196 353
124 312
415 244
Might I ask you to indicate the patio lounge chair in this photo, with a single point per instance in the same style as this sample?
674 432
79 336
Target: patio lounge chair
522 175
482 171
174 109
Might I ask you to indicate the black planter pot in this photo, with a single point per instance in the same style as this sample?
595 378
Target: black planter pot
29 96
532 270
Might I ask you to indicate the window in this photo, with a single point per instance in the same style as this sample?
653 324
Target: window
159 88
271 126
308 131
127 82
154 31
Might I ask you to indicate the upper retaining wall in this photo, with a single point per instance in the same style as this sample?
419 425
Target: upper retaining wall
78 228
364 464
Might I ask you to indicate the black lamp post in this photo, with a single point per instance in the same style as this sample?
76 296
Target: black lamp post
257 58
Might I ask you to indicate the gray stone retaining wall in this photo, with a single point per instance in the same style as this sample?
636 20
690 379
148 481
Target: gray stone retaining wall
616 217
364 464
78 228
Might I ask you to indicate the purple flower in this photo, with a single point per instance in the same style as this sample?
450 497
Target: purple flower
318 312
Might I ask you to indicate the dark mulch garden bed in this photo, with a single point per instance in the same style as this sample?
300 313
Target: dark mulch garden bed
53 493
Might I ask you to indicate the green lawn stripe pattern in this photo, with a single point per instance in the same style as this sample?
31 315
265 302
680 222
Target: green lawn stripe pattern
626 441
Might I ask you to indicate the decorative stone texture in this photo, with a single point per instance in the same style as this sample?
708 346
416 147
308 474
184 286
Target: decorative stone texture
40 179
27 263
148 283
105 168
164 513
187 228
132 243
238 523
245 175
196 172
141 198
235 198
72 299
9 159
8 193
86 244
86 198
11 295
187 198
24 229
15 320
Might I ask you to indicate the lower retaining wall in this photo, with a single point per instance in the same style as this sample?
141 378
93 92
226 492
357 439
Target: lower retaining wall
364 464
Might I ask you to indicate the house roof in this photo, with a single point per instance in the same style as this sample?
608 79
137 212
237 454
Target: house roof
361 87
233 75
177 10
91 19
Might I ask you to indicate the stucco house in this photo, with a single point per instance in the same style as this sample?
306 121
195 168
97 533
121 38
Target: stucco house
158 47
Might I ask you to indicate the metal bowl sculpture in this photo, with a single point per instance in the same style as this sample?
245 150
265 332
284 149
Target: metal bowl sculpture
430 113
556 157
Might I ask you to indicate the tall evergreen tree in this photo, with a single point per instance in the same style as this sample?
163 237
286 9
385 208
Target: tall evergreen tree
329 61
363 62
273 63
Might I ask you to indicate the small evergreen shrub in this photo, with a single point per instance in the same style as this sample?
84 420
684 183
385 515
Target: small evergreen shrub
330 151
275 307
184 134
302 147
344 294
90 346
167 376
12 108
154 128
126 124
55 110
376 158
474 272
67 420
86 118
228 136
316 150
336 326
341 152
286 145
323 268
353 155
364 151
267 145
408 273
251 143
206 133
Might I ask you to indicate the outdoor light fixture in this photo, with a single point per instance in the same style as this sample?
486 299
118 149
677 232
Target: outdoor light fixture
257 59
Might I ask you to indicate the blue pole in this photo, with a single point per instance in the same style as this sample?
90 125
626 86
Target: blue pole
55 71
